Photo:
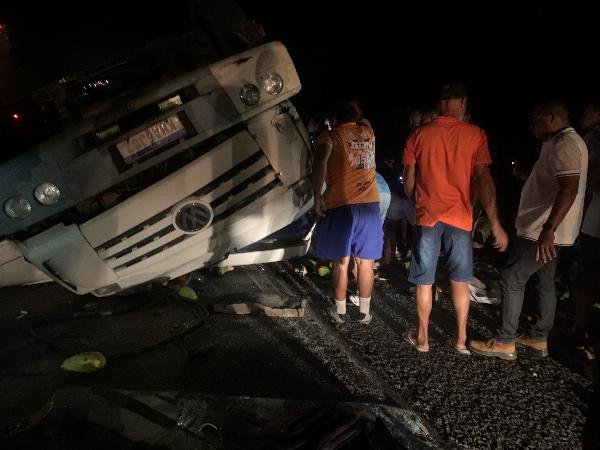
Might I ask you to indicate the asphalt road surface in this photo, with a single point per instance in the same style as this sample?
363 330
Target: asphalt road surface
154 342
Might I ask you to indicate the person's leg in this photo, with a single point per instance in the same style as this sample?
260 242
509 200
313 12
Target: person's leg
339 282
408 238
367 245
365 287
424 298
458 246
426 249
584 305
546 289
390 230
333 243
389 241
339 278
365 277
461 297
520 266
585 283
403 228
353 268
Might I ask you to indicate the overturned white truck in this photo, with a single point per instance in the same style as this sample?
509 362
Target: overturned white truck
187 174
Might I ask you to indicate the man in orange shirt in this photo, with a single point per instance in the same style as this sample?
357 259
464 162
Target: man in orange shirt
443 159
350 224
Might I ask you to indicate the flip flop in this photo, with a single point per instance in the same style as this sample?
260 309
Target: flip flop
408 338
461 351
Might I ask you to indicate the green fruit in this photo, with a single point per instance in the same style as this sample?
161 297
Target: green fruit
323 271
187 293
86 362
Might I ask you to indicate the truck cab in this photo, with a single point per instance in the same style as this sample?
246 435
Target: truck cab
189 171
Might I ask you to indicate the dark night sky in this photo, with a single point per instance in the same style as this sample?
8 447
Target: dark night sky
391 57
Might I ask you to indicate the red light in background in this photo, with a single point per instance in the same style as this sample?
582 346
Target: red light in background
15 116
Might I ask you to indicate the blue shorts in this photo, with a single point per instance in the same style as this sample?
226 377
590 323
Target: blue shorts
350 230
458 247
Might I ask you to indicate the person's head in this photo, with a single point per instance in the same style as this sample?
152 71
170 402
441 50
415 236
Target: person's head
453 101
359 109
427 115
549 118
414 119
591 116
345 112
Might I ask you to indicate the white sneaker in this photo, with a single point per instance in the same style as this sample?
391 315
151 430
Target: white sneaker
354 299
364 319
335 316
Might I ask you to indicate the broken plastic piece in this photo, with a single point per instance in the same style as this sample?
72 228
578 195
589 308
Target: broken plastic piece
85 362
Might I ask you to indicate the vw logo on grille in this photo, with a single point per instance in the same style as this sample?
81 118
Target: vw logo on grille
192 216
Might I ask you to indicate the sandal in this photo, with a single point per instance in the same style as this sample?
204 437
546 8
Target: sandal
461 351
408 338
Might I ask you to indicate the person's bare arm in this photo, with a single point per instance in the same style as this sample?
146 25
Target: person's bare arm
567 192
486 192
319 171
410 180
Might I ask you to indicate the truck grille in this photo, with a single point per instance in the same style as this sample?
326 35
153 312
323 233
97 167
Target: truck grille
251 179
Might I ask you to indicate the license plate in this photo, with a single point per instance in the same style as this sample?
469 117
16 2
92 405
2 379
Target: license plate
152 138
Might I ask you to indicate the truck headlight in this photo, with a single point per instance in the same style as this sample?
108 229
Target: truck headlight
249 94
47 194
272 83
17 208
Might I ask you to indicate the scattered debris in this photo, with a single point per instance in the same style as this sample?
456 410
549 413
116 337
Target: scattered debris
273 305
301 270
189 420
85 362
481 293
24 424
482 296
257 308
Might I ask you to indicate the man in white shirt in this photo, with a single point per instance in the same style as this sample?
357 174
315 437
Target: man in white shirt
549 218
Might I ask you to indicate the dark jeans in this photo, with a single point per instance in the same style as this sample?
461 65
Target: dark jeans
520 266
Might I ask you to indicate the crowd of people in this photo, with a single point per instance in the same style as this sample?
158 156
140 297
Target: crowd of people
429 209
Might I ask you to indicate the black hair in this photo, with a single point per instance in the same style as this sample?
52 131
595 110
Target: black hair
556 106
345 112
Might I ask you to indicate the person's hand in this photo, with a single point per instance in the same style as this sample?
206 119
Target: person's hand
500 238
320 207
545 250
